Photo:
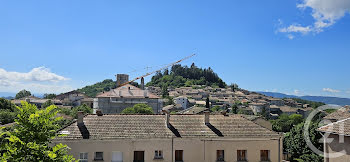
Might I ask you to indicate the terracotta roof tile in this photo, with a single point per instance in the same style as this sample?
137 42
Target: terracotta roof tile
127 91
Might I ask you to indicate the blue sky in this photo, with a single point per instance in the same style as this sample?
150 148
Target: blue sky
270 45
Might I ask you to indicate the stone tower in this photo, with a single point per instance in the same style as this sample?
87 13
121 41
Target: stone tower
122 78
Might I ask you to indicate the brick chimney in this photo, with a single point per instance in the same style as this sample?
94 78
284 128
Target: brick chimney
206 117
80 117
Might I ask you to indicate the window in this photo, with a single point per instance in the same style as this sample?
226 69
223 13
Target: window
264 155
83 157
241 155
98 156
220 155
179 155
158 154
117 156
139 156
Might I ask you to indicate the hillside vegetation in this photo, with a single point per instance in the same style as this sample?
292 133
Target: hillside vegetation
93 90
186 76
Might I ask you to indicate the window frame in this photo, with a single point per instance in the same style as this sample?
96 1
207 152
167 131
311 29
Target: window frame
268 155
182 155
239 153
83 159
218 153
158 154
98 159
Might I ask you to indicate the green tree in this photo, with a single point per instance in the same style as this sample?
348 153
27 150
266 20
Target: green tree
295 144
8 111
165 92
285 123
86 109
23 93
234 109
49 96
32 135
47 104
138 109
216 108
234 86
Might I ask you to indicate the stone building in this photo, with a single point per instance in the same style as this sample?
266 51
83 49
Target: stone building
116 100
170 138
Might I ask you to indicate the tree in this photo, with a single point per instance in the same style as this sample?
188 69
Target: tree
295 144
6 105
8 111
32 136
285 123
86 109
234 86
165 92
49 96
207 103
23 93
138 109
234 109
47 104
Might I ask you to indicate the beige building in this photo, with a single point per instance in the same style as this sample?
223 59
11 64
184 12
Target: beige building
116 100
338 136
170 138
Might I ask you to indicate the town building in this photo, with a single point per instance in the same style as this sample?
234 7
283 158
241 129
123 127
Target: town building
170 138
336 140
116 100
183 101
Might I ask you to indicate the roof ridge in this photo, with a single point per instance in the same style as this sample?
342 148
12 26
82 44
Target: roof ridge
330 124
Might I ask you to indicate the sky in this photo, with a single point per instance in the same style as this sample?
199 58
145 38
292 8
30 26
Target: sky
298 47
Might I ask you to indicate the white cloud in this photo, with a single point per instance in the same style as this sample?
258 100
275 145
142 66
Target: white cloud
324 12
330 90
38 80
36 74
297 92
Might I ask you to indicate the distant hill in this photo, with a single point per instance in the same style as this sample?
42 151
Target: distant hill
324 99
180 76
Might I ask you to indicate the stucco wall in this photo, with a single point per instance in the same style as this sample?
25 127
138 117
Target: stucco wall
337 146
195 150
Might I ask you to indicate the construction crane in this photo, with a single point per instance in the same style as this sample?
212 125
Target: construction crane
165 67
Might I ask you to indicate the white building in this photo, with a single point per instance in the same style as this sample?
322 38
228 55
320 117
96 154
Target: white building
182 100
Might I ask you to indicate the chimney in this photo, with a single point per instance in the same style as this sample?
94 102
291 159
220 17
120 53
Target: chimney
80 117
206 117
142 83
167 117
99 112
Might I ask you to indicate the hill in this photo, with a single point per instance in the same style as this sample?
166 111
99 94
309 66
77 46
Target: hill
180 76
324 99
98 87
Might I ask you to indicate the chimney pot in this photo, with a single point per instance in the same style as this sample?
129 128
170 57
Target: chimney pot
99 112
206 117
80 117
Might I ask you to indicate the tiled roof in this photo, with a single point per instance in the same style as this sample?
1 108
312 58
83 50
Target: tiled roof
127 91
154 126
339 114
193 110
341 127
120 126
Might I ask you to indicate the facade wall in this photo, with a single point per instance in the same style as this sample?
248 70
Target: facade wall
194 149
337 146
117 105
182 101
